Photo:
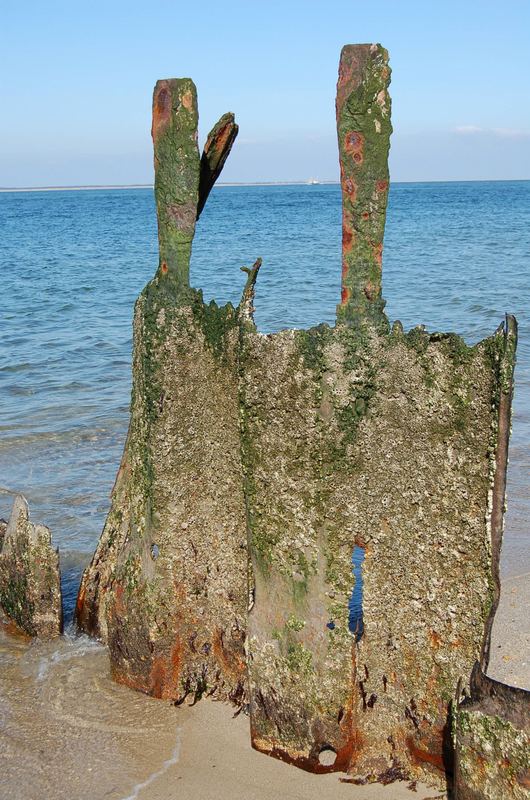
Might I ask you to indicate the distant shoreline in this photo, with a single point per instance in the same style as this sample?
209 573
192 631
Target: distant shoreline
98 187
150 186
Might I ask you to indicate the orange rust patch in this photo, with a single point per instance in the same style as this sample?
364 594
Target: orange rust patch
11 627
348 238
165 674
161 109
125 680
119 604
345 295
232 663
157 677
378 253
365 215
346 70
381 186
435 639
163 267
219 143
310 762
354 145
80 602
421 756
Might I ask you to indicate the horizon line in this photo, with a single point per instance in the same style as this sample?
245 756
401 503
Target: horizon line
310 182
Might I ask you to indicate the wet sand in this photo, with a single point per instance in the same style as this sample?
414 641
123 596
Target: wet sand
68 733
510 642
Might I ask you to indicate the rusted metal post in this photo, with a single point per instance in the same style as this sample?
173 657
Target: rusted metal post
177 169
363 128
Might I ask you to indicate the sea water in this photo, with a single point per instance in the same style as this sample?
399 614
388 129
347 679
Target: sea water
456 258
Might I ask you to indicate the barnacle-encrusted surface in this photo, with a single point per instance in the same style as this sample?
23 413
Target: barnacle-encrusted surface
30 582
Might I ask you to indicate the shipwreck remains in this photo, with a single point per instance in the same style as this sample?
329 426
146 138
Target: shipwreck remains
257 468
30 582
167 589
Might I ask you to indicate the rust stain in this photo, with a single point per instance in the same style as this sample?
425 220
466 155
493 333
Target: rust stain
354 145
161 109
348 238
164 267
119 603
10 627
219 143
121 677
430 756
232 661
80 603
344 83
309 762
165 674
435 639
381 186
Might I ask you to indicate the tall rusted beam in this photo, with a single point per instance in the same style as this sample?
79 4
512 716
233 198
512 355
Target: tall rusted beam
363 128
177 168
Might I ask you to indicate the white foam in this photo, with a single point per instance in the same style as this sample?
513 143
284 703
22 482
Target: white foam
158 774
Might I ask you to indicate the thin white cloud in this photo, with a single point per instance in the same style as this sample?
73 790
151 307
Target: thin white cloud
511 133
467 129
503 133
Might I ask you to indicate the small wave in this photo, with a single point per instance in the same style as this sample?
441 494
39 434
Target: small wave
175 756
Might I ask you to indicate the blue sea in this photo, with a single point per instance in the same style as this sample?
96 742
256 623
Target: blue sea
456 258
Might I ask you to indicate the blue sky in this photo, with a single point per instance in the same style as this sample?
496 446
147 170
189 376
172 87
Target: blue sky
76 84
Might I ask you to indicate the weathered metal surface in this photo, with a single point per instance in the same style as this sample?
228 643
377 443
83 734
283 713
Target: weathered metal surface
491 730
216 151
30 584
363 128
177 168
167 588
297 451
385 442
